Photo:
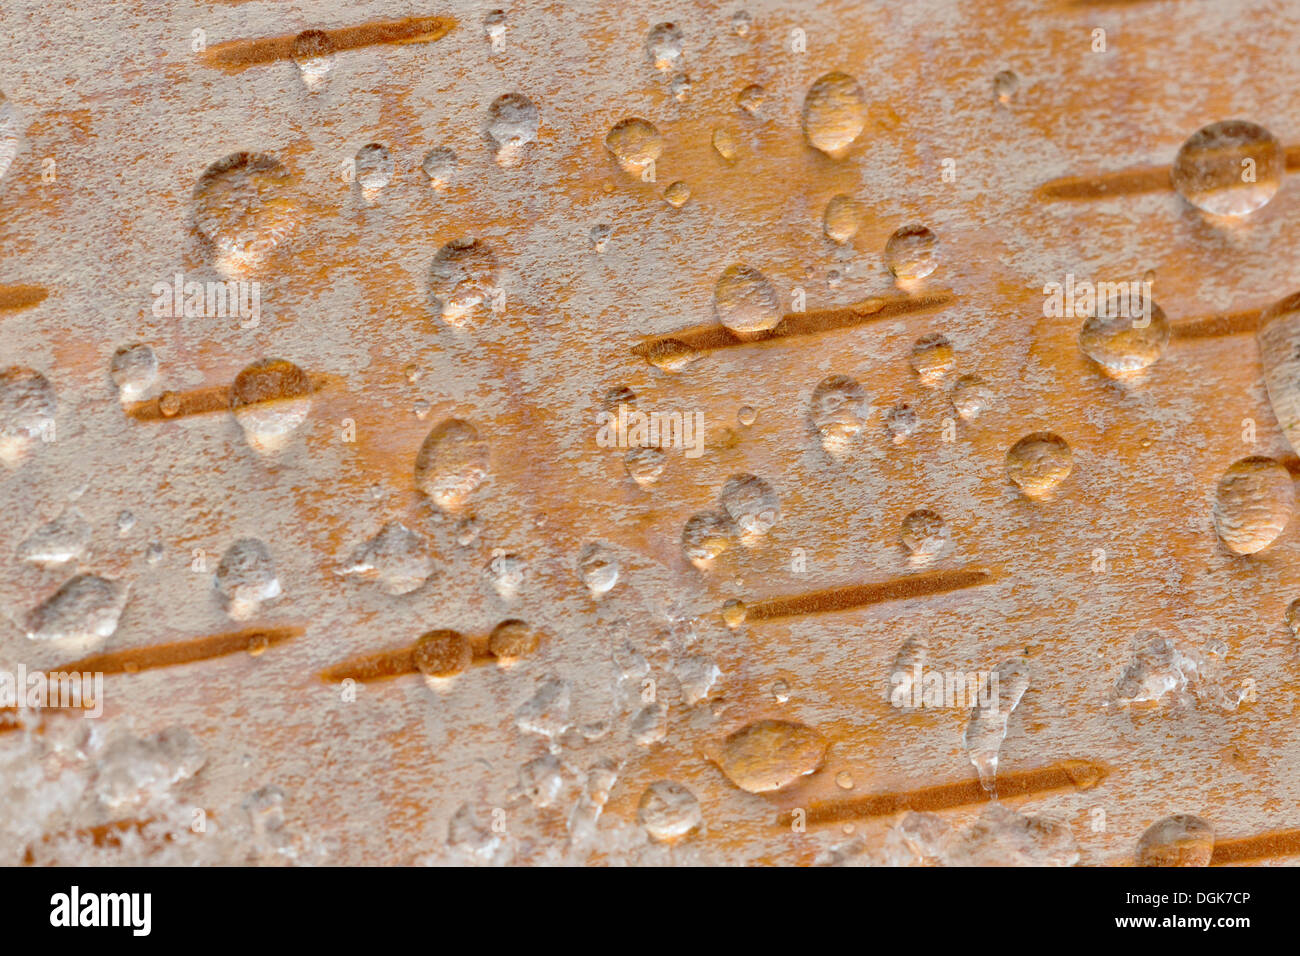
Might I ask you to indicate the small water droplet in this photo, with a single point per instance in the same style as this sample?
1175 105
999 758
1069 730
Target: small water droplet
706 535
313 52
834 114
844 780
670 355
440 166
1278 339
1123 343
27 407
246 578
781 692
1038 463
1253 504
839 411
901 422
398 558
752 504
746 415
1005 85
912 252
645 465
11 132
512 640
169 403
924 533
57 542
133 369
1230 168
987 727
724 141
374 166
680 87
742 22
599 568
451 464
677 194
971 397
751 98
733 613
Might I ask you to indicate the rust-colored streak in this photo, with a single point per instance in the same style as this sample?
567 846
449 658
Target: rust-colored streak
383 665
712 337
199 401
1261 846
1066 775
864 595
236 55
1129 182
254 640
1217 326
22 296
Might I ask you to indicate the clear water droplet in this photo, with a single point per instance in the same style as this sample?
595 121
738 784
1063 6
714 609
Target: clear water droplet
1124 343
451 464
677 194
664 46
599 568
397 558
440 166
987 728
374 166
1179 840
933 358
924 533
668 811
81 614
442 653
706 535
313 52
246 578
770 754
971 397
512 123
912 252
745 302
635 143
462 278
27 407
842 218
244 208
1038 463
839 411
752 505
512 640
270 400
1005 85
57 542
133 369
1253 504
834 114
1230 168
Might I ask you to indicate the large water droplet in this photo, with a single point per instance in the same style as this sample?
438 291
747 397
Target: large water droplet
27 407
440 654
770 754
243 208
451 464
1253 503
1229 168
397 557
663 46
752 504
512 124
834 114
912 252
842 218
1179 840
744 301
1127 342
313 52
462 277
635 143
81 614
1038 463
1278 338
668 810
270 400
839 411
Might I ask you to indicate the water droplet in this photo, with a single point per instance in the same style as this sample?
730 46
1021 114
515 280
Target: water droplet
27 407
781 692
1038 463
513 639
924 533
724 141
742 23
1157 667
746 415
1253 503
839 411
541 780
494 26
696 674
463 276
677 194
1279 351
842 218
374 166
133 369
57 542
844 780
451 464
680 87
154 553
440 166
901 422
313 52
971 397
599 568
397 557
664 46
11 132
81 614
1124 343
987 727
752 505
1005 85
649 726
912 252
125 522
546 713
933 358
751 98
243 208
1179 840
670 355
1293 617
270 400
645 465
512 124
246 578
635 143
770 754
506 572
834 114
169 403
668 811
706 535
442 654
1229 168
1003 837
745 302
733 613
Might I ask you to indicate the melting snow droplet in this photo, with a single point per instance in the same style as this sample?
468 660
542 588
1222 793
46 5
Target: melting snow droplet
81 614
987 727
